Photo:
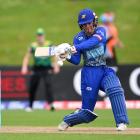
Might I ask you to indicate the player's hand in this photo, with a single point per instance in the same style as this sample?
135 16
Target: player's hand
73 49
64 51
63 56
56 69
24 70
62 48
60 61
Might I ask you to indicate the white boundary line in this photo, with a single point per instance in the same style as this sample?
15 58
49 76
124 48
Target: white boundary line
0 103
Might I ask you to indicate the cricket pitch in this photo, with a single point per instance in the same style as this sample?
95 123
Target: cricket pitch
72 130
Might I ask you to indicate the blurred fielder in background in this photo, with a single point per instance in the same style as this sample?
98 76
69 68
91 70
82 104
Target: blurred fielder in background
113 40
95 75
43 68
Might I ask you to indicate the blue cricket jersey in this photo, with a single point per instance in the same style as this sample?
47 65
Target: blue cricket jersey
91 47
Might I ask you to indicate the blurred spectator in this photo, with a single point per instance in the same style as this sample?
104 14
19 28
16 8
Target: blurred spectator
43 68
113 40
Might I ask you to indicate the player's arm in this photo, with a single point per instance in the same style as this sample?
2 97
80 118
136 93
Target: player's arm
75 58
54 59
97 38
25 63
120 44
56 67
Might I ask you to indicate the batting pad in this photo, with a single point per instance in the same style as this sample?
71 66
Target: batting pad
116 95
117 99
80 116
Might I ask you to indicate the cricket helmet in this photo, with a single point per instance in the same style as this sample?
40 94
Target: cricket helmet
87 16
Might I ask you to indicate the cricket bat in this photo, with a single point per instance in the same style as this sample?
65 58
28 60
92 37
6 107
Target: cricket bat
45 51
53 51
50 51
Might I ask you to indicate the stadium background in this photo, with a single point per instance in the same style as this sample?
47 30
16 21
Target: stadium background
19 21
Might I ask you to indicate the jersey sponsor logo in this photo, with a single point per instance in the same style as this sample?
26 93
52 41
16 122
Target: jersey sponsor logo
94 53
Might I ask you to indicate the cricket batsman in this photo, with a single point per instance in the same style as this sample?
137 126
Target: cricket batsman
90 43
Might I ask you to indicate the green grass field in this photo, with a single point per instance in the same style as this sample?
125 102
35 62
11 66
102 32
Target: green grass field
43 118
20 19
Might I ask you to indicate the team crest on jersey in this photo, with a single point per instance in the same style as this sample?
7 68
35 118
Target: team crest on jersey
83 16
89 88
80 38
